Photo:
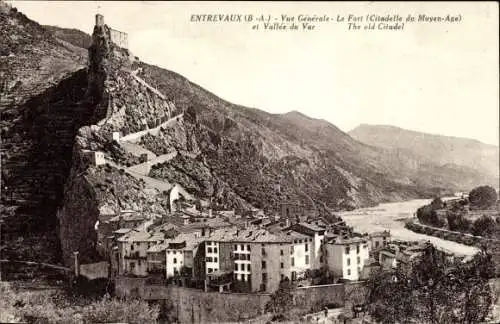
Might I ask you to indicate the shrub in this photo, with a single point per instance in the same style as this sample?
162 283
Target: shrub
483 197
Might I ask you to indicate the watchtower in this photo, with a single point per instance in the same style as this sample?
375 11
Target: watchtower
99 20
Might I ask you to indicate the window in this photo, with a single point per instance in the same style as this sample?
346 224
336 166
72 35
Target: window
307 259
281 252
132 247
236 266
307 247
282 265
209 259
215 250
248 267
263 264
175 260
248 257
347 250
293 262
292 249
282 277
357 249
215 259
210 270
248 247
359 260
359 270
264 277
348 261
209 250
263 251
175 252
235 247
376 243
348 272
242 247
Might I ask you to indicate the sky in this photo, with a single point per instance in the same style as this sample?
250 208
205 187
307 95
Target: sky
439 78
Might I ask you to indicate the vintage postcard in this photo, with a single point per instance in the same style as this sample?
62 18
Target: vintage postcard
231 162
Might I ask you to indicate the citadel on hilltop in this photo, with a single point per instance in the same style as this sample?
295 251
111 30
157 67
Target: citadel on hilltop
117 37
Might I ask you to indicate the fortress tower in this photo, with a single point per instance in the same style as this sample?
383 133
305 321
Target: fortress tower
119 38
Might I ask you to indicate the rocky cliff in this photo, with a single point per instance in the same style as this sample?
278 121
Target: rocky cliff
43 81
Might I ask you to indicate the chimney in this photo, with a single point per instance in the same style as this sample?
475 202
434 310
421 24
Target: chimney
77 264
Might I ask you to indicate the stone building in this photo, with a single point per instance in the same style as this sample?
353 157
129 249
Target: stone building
117 37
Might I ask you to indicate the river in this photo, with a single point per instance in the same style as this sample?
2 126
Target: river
390 216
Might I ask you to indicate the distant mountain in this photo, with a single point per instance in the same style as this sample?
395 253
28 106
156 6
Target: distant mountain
468 155
71 35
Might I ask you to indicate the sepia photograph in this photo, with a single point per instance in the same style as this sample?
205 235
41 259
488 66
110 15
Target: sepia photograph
249 162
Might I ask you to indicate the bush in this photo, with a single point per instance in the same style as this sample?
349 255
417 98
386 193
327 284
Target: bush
484 226
483 197
457 222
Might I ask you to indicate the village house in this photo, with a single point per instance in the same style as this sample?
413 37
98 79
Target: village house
346 255
132 249
316 235
379 240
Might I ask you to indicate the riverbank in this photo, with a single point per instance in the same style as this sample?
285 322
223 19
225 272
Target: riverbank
388 216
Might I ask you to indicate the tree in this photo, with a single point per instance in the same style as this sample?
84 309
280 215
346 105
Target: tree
434 290
281 300
484 226
483 197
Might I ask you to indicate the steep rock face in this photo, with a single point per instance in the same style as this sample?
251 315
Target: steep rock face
124 103
43 84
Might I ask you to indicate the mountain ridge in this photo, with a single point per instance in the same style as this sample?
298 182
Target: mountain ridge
442 149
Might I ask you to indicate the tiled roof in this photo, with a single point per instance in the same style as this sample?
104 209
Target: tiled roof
142 236
256 235
295 235
347 240
380 233
312 227
122 231
158 247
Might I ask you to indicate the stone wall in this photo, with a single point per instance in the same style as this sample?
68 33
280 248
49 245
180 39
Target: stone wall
197 306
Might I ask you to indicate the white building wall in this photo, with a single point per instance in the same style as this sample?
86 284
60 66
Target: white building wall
211 253
174 261
316 255
347 264
242 268
301 257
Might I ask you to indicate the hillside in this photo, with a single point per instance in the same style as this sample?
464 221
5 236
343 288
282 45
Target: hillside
464 154
237 157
